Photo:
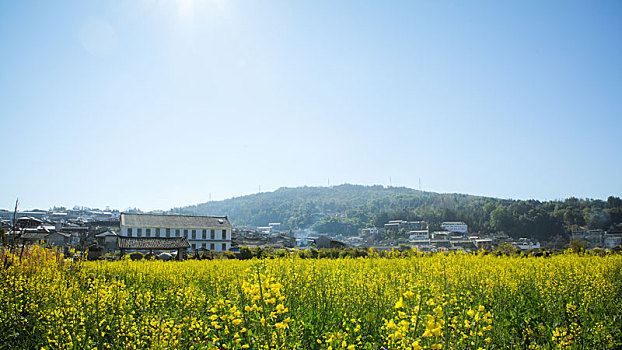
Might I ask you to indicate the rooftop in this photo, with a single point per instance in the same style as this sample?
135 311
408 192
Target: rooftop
152 243
175 221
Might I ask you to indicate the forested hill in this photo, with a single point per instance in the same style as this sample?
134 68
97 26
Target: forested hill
347 208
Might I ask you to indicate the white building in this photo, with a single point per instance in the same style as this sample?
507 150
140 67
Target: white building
370 231
418 235
396 225
612 240
525 244
455 226
202 232
264 229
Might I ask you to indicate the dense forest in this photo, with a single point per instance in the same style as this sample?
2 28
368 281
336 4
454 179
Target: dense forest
346 209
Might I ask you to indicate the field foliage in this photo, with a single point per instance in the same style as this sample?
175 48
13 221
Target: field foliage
439 301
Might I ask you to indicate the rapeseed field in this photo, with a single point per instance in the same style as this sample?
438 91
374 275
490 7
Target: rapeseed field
419 301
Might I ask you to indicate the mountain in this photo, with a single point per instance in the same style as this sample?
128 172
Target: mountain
347 208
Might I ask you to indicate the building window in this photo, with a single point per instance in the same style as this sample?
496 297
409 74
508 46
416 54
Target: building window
194 234
129 232
177 233
186 233
204 244
204 236
224 247
212 234
211 246
168 232
194 246
148 232
157 232
139 232
224 234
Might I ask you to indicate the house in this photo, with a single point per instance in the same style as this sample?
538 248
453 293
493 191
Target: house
5 214
483 243
202 232
107 241
61 239
58 217
441 235
525 244
612 240
593 238
28 222
264 229
393 225
455 226
153 244
38 214
33 236
396 225
326 242
418 234
370 232
464 244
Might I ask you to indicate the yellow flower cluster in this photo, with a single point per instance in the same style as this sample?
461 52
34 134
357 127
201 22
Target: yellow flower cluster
422 301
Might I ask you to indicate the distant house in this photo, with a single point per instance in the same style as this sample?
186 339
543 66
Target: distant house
264 229
272 228
76 230
5 214
61 239
33 236
58 216
371 231
483 243
593 238
39 214
28 222
455 226
107 241
612 240
419 234
202 232
525 244
396 225
325 242
466 245
441 235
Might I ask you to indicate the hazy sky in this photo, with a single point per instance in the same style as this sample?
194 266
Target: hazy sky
155 104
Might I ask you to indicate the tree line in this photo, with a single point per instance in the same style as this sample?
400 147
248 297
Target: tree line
346 209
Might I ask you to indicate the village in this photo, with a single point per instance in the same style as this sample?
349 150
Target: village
111 234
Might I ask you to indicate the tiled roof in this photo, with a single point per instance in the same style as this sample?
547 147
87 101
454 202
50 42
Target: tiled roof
64 234
106 234
152 243
34 236
175 221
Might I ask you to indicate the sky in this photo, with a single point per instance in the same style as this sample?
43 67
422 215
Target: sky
164 103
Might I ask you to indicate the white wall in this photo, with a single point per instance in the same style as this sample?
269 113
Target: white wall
200 239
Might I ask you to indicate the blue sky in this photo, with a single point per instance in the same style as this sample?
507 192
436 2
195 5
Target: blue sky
162 103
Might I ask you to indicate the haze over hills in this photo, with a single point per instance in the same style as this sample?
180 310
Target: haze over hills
347 208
